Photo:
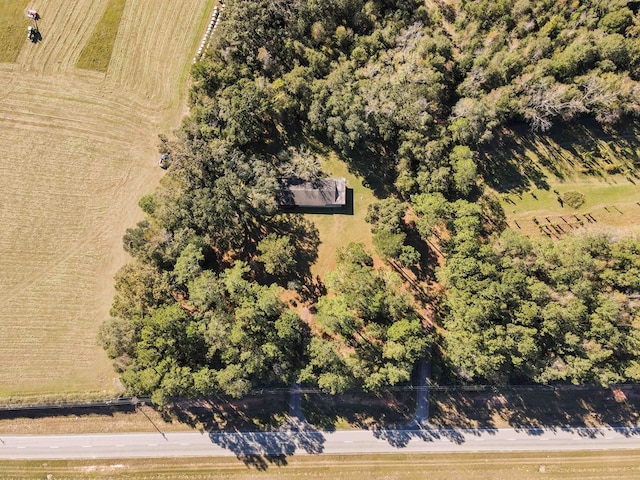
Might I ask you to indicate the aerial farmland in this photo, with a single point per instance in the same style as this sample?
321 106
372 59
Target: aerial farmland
80 111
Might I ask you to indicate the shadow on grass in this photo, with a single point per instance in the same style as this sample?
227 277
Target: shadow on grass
376 170
254 412
518 159
535 409
359 410
504 165
38 413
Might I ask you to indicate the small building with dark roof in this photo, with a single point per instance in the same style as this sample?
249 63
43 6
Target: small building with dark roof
320 193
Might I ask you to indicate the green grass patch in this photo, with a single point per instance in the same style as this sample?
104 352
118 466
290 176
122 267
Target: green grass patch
338 228
618 464
547 182
96 54
13 28
610 206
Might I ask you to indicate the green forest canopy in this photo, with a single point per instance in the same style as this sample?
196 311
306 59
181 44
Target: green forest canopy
410 93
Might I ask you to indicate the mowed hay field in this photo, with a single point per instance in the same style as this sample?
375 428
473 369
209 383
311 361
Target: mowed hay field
77 151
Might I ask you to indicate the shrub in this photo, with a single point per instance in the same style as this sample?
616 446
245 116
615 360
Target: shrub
612 168
573 199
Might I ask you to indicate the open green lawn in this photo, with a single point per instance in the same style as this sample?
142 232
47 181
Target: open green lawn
336 229
96 54
608 206
13 28
619 465
533 173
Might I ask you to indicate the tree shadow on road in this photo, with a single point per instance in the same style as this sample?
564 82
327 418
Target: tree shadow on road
388 415
401 435
261 449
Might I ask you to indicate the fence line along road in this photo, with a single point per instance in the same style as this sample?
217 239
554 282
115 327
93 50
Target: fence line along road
114 402
134 401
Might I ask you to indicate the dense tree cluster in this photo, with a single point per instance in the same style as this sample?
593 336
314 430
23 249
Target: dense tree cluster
370 336
408 92
227 337
522 311
416 89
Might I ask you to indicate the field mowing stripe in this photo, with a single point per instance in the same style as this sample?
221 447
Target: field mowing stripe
13 29
96 54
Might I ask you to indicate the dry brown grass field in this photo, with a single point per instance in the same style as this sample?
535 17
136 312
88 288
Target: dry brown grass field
600 465
77 151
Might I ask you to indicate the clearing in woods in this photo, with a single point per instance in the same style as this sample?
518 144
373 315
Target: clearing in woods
533 175
337 229
78 150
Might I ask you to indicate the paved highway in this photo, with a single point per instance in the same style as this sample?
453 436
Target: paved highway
309 441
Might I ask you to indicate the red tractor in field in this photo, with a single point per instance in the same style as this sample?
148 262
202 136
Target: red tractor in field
33 33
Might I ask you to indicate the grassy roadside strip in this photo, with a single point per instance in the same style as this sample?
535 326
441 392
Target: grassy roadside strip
96 54
62 399
508 407
621 465
13 28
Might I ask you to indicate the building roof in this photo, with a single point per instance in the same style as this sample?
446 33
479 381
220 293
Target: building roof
324 192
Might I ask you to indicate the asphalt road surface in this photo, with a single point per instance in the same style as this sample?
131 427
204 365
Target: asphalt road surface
302 440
